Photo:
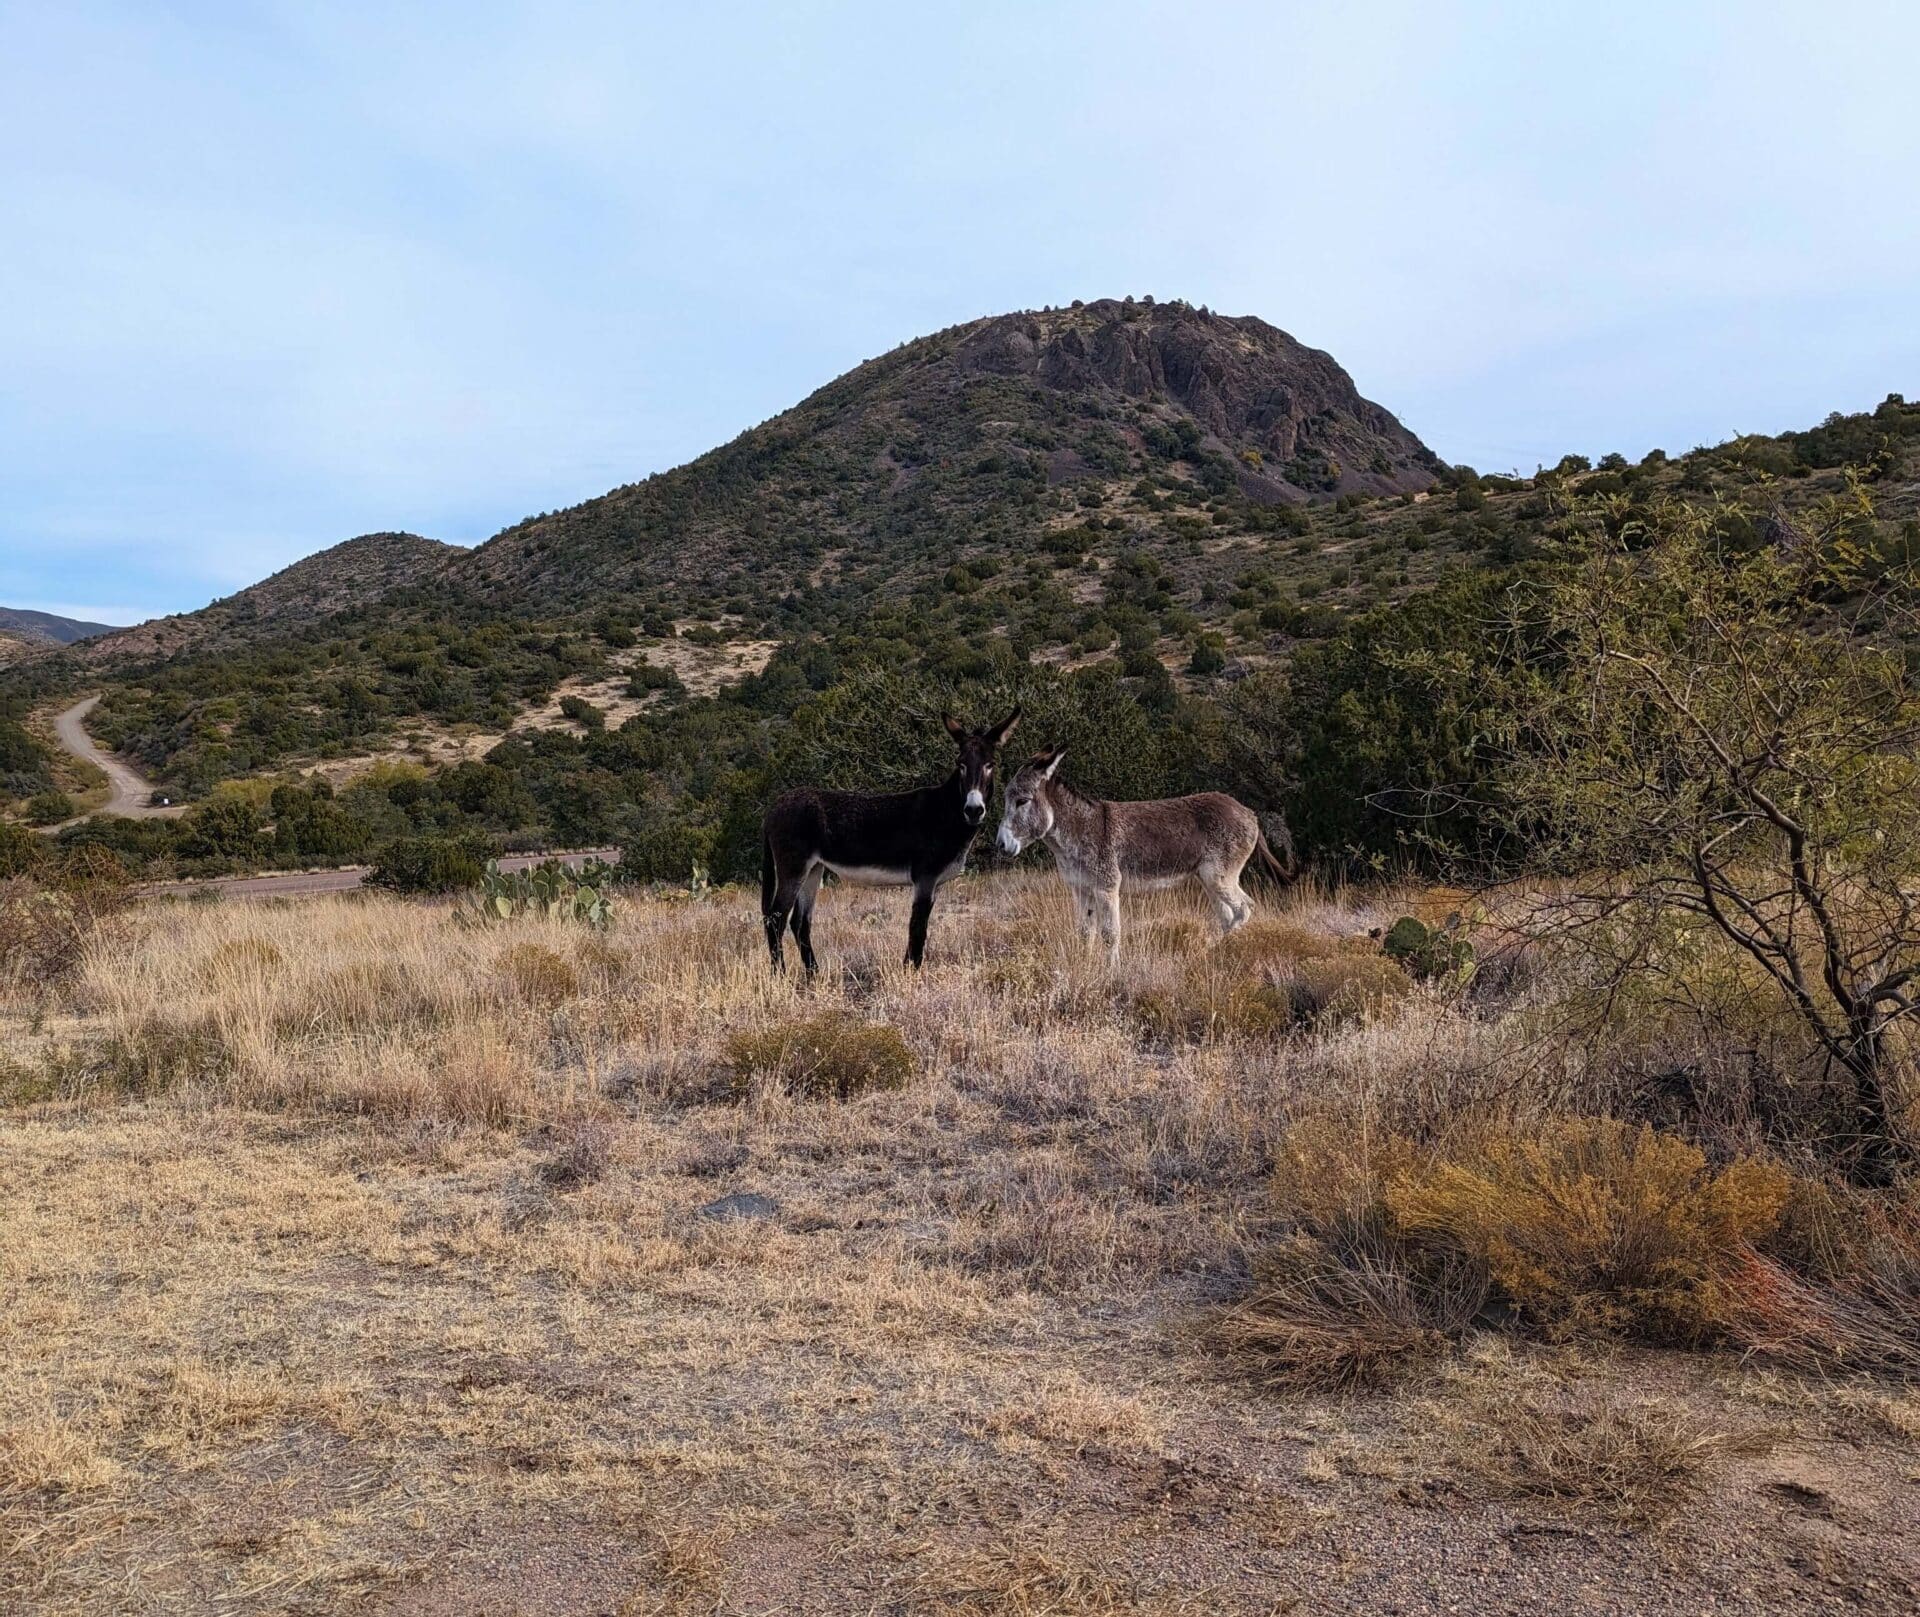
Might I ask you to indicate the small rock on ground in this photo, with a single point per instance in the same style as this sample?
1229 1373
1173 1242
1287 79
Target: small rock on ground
741 1204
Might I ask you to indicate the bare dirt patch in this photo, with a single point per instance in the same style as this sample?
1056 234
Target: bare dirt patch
423 742
702 669
705 669
337 1277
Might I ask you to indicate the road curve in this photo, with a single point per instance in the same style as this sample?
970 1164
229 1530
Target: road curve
308 883
129 799
129 790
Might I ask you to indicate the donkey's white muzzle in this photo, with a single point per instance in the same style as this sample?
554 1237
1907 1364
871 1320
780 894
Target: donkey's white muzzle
1009 843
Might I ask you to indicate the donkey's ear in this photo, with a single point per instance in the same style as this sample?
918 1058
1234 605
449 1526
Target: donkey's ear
999 733
954 727
1053 763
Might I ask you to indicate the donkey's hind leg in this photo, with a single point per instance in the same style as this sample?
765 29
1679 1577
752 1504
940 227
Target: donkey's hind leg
1230 900
779 904
803 914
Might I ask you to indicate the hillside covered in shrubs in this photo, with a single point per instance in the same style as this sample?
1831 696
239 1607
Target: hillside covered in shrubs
1184 541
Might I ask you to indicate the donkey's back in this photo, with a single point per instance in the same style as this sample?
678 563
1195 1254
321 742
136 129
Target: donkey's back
848 831
1167 839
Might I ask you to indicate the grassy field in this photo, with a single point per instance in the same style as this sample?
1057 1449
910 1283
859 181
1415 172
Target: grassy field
356 1259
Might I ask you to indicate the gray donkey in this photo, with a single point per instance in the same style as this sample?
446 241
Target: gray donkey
1101 847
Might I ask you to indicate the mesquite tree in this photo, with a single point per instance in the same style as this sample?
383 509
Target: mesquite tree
1729 734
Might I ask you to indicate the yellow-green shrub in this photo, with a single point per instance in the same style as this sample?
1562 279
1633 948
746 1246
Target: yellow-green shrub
1260 944
1345 1299
539 975
833 1056
1597 1227
1217 996
1207 1002
241 957
1344 989
1332 1172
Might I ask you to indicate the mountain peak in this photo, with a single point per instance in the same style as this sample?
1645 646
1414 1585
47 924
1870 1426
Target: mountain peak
47 626
1247 383
945 441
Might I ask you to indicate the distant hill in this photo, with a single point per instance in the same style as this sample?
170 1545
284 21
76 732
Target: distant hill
968 447
980 435
44 626
1163 505
347 575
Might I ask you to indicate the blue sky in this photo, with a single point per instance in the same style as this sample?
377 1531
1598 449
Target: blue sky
276 274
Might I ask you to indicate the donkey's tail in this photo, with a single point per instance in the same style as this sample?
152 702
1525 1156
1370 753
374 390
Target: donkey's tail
1285 865
766 875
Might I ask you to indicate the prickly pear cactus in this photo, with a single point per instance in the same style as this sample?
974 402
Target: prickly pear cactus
1432 953
551 890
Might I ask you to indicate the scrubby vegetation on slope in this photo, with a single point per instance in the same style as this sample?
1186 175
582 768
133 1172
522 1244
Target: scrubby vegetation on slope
1141 515
1377 731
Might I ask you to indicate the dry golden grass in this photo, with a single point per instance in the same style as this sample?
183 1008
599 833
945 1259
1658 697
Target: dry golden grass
357 1259
1581 1443
1340 1314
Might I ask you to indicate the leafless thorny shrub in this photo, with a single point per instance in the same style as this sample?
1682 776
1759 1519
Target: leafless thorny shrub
1728 738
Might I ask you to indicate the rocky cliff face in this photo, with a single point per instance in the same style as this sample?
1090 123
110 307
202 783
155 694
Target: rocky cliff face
1246 384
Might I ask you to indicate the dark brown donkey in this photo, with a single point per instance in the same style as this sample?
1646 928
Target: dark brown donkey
1101 847
890 839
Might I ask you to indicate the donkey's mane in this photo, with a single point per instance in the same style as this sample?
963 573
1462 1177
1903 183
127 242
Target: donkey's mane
1056 784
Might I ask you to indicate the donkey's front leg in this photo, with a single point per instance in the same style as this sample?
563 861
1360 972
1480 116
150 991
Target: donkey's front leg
917 923
1085 915
1106 908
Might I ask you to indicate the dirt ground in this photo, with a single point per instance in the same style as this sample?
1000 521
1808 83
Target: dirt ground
311 1350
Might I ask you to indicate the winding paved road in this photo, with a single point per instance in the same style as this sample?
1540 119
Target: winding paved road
129 789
